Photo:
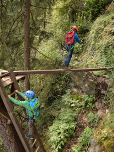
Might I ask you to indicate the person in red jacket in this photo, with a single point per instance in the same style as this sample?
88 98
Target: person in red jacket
70 47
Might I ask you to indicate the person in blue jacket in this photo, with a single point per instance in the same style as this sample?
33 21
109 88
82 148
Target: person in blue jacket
70 48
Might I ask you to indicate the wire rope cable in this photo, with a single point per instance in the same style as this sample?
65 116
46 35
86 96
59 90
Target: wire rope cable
98 116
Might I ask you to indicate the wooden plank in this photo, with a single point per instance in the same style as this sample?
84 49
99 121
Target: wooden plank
37 149
4 114
20 111
33 143
36 135
26 72
22 121
7 81
20 132
26 129
3 75
4 96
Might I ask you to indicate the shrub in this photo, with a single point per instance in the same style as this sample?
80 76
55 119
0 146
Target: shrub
62 128
88 100
95 7
83 140
92 118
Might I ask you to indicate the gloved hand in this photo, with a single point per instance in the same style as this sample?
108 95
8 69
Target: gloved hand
82 41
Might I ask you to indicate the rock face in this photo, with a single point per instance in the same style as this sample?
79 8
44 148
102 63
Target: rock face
86 82
94 146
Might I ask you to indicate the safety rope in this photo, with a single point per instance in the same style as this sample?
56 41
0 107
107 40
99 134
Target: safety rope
98 116
107 8
21 117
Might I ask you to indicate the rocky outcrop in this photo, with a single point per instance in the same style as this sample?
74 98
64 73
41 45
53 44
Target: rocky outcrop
86 82
94 147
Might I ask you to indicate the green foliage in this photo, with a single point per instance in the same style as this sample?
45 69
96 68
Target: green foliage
95 7
88 100
99 45
83 23
50 87
77 148
105 133
85 136
61 130
74 101
2 148
83 140
80 102
92 118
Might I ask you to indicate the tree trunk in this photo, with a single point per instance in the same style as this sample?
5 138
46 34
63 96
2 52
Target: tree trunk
10 137
26 43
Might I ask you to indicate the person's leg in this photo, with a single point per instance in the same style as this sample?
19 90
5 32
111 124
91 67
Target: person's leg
30 126
31 131
67 61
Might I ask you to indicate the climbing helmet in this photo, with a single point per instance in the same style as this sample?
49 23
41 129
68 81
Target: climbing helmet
75 27
30 94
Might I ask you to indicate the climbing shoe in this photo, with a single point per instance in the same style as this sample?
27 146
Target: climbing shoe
67 68
29 136
63 64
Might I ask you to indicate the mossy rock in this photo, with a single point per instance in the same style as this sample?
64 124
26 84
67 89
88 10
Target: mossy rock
108 144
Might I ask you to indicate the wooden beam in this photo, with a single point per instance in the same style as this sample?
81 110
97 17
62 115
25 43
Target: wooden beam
7 81
36 135
27 72
3 75
4 114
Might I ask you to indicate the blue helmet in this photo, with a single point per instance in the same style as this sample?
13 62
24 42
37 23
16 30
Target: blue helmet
30 94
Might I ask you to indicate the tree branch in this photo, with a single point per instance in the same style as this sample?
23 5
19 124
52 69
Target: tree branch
13 24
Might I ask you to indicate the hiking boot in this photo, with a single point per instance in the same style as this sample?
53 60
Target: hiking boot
29 136
67 68
63 64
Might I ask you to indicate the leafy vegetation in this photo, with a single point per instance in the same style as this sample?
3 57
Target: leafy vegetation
48 27
94 7
62 129
92 118
83 140
2 148
105 133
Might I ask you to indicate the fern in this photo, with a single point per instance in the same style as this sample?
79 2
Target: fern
62 128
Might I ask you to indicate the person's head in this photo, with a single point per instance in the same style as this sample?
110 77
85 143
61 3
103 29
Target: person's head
29 94
75 29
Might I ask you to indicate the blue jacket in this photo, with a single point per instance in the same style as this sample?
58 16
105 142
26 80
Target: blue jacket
76 39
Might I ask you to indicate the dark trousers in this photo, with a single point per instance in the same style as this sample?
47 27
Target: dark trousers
30 126
67 61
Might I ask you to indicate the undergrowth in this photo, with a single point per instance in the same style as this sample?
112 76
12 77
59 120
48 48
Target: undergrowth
62 129
84 139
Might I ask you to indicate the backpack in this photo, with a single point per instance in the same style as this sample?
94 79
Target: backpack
70 37
35 107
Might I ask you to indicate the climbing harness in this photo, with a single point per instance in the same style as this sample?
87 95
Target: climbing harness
71 48
26 118
66 49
